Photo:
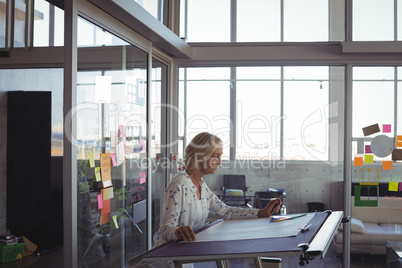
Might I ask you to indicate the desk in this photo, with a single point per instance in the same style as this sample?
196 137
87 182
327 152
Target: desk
308 245
393 254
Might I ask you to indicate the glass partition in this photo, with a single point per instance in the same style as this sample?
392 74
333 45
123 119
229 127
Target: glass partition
111 119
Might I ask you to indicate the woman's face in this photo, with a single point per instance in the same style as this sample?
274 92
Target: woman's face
212 163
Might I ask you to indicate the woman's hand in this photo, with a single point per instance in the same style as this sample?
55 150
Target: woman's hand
185 233
273 207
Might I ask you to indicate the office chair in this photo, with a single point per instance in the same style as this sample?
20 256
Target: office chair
234 190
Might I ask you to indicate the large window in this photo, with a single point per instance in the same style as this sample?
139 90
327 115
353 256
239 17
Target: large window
279 112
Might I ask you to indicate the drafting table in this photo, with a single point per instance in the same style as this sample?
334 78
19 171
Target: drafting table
309 244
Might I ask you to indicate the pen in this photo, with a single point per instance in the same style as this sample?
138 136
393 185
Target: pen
291 218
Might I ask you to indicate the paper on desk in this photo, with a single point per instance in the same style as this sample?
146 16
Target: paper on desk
253 229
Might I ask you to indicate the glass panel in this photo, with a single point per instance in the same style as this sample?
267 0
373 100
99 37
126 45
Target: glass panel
305 21
265 14
258 120
111 121
208 110
19 23
373 20
159 73
41 24
305 120
258 73
208 73
3 24
376 178
208 21
305 73
373 73
58 27
399 20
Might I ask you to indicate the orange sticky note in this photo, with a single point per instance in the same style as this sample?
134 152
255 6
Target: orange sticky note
387 165
358 161
399 138
399 144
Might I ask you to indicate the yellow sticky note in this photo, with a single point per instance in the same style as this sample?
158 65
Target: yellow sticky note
393 186
387 165
368 158
107 193
114 222
358 161
92 159
97 174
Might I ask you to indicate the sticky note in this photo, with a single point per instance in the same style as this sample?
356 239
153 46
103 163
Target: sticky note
367 149
107 193
142 174
143 145
358 161
393 186
386 128
398 143
399 138
121 131
387 165
113 157
105 169
371 129
104 218
91 159
100 201
114 222
143 180
106 207
400 187
97 172
120 152
368 158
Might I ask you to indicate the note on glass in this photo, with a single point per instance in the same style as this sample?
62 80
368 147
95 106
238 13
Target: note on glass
91 159
97 172
400 187
368 149
120 152
393 186
105 170
387 165
358 161
106 207
371 129
399 144
386 128
104 218
107 193
399 138
113 157
100 201
121 131
114 222
368 158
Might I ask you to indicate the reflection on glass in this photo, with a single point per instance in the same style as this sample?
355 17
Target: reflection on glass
111 142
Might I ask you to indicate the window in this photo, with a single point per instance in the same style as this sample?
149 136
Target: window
280 112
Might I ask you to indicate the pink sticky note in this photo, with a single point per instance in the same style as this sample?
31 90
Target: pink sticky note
143 180
100 201
142 174
113 157
368 149
400 187
386 128
143 145
121 131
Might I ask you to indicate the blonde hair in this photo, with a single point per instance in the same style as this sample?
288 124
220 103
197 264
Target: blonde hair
201 147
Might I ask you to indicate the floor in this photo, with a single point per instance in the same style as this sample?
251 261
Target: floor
54 259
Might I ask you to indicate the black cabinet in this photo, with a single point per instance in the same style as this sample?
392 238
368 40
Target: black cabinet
30 200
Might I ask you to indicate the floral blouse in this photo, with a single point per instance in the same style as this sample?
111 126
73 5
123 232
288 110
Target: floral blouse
182 207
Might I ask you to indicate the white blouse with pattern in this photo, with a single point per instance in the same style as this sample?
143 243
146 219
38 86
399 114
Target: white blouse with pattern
182 207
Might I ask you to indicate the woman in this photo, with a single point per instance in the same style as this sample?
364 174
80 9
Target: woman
188 200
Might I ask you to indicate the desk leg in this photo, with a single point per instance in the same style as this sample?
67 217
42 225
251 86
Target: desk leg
258 263
222 264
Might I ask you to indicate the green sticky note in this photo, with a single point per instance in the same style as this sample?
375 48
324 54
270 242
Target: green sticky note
114 222
92 159
98 174
393 186
368 158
